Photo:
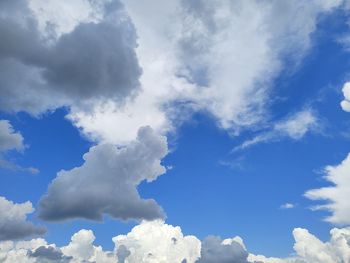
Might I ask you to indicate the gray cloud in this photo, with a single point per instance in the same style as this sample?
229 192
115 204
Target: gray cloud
214 250
94 61
47 254
13 221
107 182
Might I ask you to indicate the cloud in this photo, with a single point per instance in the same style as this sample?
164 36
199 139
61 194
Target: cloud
107 182
13 221
215 250
158 242
345 104
287 206
335 196
295 126
11 140
49 254
215 57
93 62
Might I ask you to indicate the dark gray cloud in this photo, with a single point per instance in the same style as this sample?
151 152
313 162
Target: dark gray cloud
13 221
49 255
107 182
94 61
215 251
122 253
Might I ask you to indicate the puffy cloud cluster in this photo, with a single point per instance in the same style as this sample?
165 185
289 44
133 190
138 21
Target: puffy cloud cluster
13 220
93 62
335 196
157 242
107 182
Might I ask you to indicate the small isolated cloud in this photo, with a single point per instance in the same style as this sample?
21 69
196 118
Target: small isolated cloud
107 182
295 126
345 104
335 196
13 221
287 206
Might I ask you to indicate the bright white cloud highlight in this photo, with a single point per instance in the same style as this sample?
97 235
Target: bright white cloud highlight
345 104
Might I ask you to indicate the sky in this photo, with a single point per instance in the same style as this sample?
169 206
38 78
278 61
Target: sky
174 131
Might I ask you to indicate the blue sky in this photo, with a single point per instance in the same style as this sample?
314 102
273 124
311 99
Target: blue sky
242 107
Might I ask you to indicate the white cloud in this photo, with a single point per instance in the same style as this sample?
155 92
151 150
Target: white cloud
159 243
345 104
13 220
108 181
295 126
336 195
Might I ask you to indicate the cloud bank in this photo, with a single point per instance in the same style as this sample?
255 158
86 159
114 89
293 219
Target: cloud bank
157 242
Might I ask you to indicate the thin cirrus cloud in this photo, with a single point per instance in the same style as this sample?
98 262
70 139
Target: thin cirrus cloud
294 127
155 241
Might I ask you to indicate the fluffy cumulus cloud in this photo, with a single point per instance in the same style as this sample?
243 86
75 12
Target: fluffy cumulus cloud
335 196
107 182
295 127
158 242
92 62
13 220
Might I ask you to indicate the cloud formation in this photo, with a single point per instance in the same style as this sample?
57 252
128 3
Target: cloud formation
295 127
107 182
13 221
95 61
335 196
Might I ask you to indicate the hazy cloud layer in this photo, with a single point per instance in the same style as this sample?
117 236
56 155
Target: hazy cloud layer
13 221
107 182
93 62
